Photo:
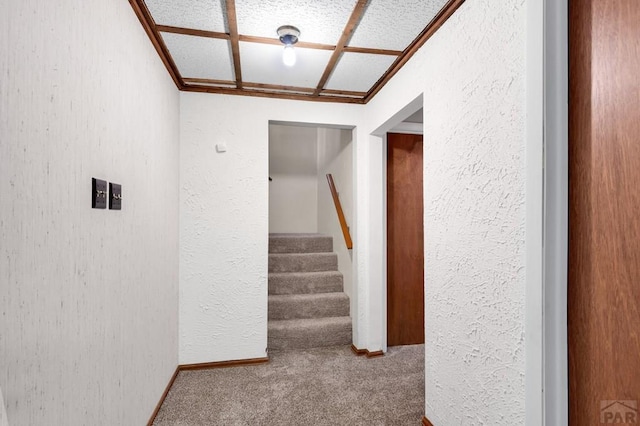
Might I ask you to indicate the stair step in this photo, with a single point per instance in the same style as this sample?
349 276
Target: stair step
292 306
300 243
307 308
305 282
309 333
303 262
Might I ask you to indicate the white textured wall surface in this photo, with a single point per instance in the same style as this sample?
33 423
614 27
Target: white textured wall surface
472 76
335 156
224 221
293 166
88 298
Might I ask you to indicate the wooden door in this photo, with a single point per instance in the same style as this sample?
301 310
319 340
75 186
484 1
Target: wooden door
405 241
604 212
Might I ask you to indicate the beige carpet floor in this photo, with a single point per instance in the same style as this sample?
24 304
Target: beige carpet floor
324 386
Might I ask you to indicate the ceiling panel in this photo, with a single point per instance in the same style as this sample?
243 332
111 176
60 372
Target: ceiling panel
200 57
262 63
394 24
197 14
319 21
358 71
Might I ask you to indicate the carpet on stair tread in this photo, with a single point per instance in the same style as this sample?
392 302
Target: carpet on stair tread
309 333
307 306
303 262
305 282
300 243
284 307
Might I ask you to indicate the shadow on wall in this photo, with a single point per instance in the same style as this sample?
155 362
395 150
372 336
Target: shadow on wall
293 166
3 411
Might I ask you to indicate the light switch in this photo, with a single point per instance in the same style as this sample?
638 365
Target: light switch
221 147
115 196
98 193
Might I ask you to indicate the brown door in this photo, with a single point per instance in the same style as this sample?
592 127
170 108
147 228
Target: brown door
604 212
405 241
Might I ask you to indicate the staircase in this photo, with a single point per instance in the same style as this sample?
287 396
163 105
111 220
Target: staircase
307 307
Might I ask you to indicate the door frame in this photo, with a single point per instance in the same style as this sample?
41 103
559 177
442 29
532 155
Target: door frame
392 124
547 227
556 199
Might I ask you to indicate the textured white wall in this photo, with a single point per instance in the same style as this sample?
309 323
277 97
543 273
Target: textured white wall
224 219
88 298
472 76
335 156
293 192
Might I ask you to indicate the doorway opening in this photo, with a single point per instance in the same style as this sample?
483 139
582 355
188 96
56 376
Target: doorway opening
405 232
310 285
407 121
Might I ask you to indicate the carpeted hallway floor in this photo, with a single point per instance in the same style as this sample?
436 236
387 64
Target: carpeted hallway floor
323 386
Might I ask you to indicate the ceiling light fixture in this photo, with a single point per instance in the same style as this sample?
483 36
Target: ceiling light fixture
288 35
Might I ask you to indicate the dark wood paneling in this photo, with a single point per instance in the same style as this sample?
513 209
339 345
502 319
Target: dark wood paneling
271 94
405 242
342 93
358 351
340 213
234 39
192 32
366 352
277 42
372 51
278 87
208 81
604 206
426 422
223 364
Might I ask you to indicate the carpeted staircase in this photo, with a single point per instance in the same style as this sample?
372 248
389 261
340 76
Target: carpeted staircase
307 307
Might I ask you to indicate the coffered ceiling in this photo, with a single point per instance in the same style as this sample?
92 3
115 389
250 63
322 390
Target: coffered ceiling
347 49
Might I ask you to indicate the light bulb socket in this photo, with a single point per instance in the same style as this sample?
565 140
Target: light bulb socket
288 35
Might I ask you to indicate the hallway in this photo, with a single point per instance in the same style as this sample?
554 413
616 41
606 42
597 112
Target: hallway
100 306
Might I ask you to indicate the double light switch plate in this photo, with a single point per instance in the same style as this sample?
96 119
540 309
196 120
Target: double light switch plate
99 195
